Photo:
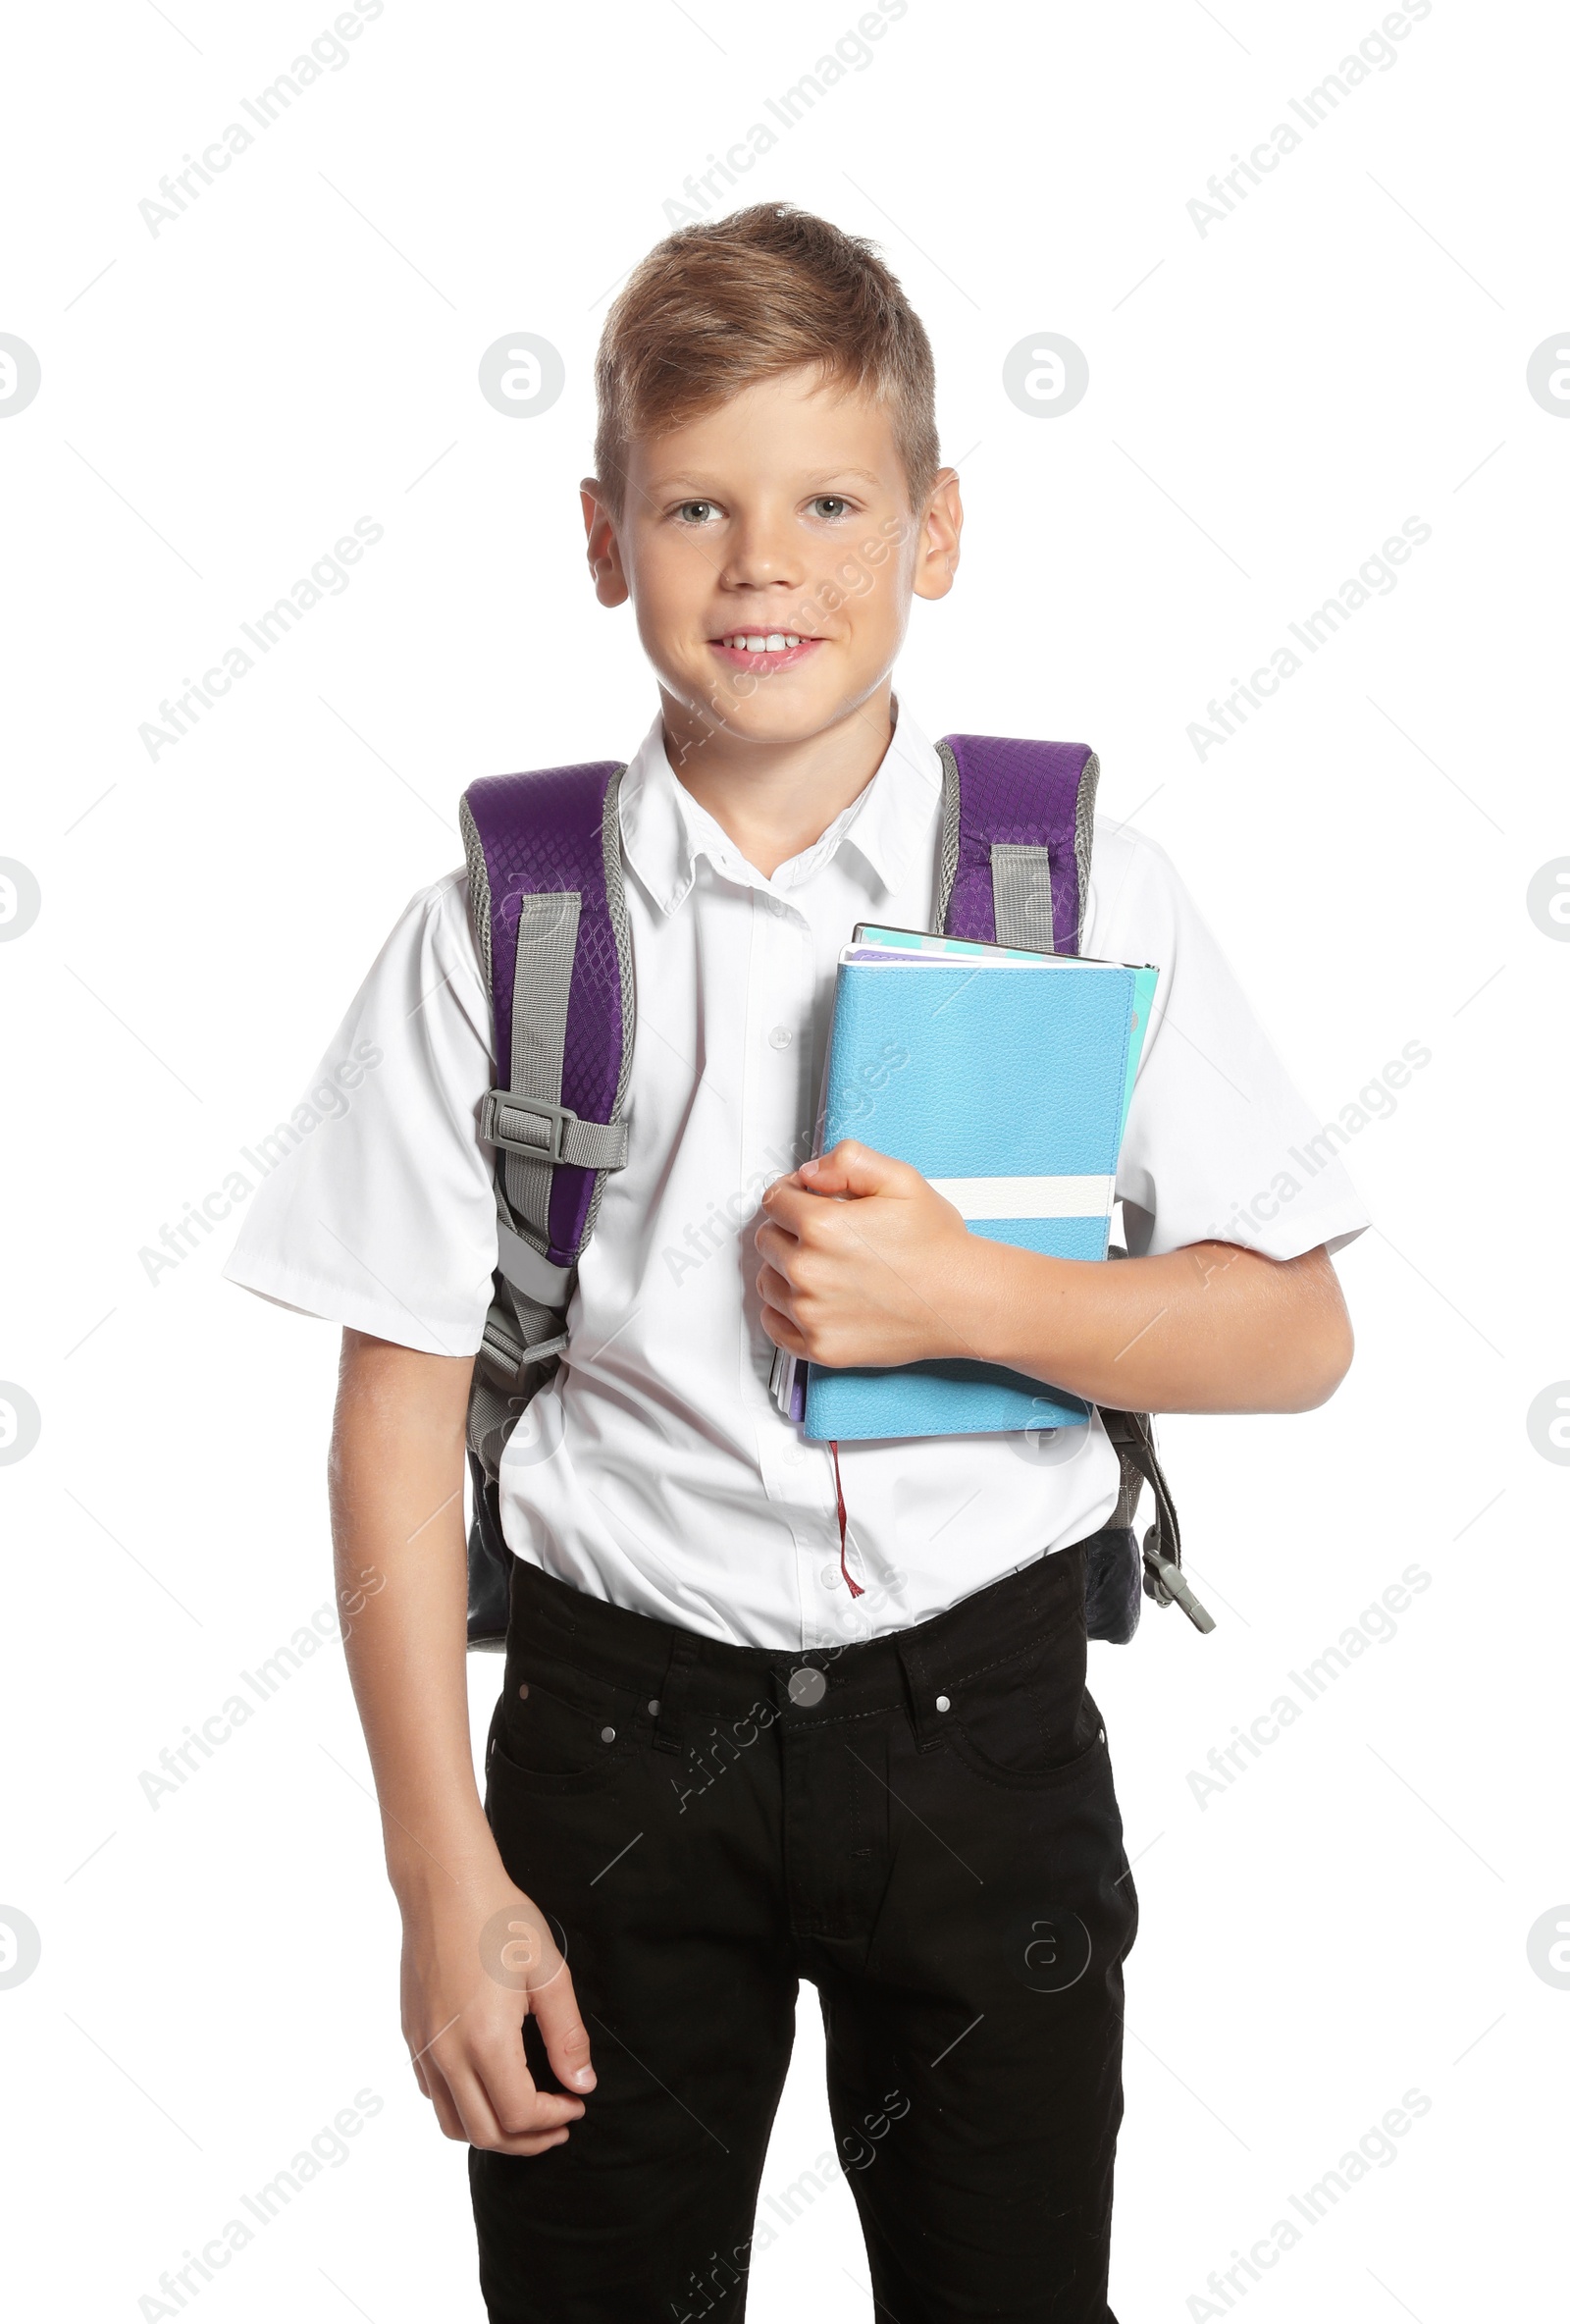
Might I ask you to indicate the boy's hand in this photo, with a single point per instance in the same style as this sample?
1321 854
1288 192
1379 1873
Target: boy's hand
478 1959
863 1262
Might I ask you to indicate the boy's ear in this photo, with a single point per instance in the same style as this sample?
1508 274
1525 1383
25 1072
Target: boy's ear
937 540
604 550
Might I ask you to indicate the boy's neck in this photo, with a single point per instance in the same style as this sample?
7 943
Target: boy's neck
775 799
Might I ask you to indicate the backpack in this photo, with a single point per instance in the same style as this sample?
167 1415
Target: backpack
549 915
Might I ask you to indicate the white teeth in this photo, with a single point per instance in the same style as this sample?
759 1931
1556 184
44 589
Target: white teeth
776 642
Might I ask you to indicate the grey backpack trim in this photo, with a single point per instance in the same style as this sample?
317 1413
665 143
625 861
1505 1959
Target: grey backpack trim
526 1327
1085 832
949 851
479 889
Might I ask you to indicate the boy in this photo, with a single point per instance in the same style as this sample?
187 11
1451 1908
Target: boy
902 1791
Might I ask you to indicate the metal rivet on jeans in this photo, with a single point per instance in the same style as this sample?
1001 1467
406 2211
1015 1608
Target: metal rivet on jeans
523 1691
943 1701
653 1707
608 1734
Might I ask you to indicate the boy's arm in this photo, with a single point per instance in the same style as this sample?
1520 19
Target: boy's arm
397 1486
886 1272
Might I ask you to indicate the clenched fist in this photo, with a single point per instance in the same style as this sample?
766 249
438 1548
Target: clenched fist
865 1263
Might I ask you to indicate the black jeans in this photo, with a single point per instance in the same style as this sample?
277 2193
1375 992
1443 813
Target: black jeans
924 1825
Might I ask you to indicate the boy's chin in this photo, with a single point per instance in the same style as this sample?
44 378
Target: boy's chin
770 724
778 711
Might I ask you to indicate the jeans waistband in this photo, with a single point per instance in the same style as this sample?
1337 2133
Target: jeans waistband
683 1671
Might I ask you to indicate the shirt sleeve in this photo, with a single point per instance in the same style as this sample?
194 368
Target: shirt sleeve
375 1206
1218 1143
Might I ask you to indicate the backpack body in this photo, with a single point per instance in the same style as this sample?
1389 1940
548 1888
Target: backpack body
548 914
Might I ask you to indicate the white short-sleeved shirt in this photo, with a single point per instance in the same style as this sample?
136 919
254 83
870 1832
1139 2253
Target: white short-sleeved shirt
656 1470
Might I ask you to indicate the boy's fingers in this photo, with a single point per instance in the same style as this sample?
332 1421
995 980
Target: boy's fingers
776 1201
440 2098
566 2038
511 2097
774 1291
851 1168
773 1243
783 1332
476 2115
492 2101
785 1217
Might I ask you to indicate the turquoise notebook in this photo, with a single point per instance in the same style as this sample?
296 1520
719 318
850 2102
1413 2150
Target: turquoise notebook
1005 1079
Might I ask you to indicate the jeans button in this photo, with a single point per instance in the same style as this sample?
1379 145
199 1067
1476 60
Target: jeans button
807 1686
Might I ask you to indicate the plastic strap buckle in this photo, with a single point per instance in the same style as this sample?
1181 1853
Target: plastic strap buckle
502 1115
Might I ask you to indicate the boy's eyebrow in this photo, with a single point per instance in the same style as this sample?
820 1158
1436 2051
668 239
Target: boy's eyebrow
690 478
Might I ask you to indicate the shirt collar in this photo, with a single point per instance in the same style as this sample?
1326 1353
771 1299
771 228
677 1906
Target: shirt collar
664 831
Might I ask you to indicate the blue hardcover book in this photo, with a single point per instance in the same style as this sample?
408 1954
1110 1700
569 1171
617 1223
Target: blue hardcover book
1005 1079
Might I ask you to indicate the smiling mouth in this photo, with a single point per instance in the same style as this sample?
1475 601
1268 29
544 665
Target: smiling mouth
763 649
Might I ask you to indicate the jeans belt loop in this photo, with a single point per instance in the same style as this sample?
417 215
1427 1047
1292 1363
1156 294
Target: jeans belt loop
924 1715
673 1692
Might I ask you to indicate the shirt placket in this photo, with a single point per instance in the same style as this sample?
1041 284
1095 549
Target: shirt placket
778 1123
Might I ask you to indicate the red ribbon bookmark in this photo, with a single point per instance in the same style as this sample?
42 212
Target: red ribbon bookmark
855 1588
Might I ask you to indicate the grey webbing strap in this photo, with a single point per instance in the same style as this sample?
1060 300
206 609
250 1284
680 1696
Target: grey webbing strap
1022 896
528 1271
519 1348
541 978
1135 1437
490 1419
519 1333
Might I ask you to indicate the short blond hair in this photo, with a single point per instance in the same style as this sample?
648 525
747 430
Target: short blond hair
718 305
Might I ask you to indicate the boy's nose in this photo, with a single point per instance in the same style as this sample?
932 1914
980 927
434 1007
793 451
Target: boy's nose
762 556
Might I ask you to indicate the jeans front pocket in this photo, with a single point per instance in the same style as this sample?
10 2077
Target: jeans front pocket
559 1729
1028 1719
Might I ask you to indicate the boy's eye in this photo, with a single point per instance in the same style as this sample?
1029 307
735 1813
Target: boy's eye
829 505
696 512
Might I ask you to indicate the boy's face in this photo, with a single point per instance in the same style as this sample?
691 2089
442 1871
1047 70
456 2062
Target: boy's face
771 554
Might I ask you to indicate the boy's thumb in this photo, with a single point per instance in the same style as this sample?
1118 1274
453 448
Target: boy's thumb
567 2037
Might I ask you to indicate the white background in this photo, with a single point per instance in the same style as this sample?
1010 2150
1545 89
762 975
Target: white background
1267 402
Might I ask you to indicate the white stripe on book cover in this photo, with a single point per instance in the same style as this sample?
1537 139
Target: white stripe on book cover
1027 1197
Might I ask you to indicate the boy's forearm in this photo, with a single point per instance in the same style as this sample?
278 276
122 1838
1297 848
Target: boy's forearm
865 1263
1210 1327
397 1486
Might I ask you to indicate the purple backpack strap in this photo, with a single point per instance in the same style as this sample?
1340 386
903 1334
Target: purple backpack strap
549 919
547 907
1018 818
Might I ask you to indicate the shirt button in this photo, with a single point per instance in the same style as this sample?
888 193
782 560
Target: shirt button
830 1577
780 1037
